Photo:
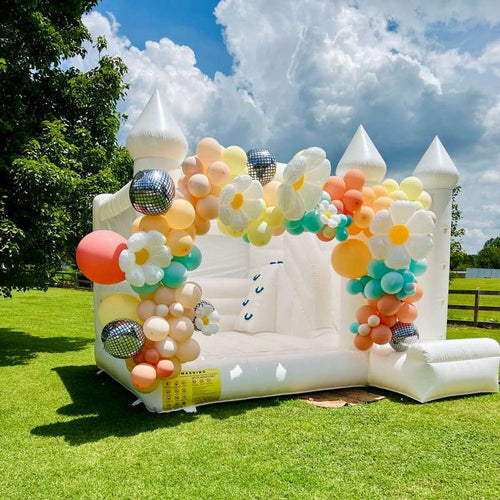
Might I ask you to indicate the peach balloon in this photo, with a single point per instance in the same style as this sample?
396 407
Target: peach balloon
192 165
135 225
156 328
180 242
368 196
363 217
271 193
208 151
381 334
350 258
166 348
338 205
151 356
146 309
354 179
188 351
201 225
352 200
335 187
164 295
364 312
177 368
276 231
188 294
407 313
208 207
218 173
388 320
198 185
363 342
388 305
189 313
165 368
379 191
416 296
143 376
130 363
382 203
180 329
154 223
215 190
180 215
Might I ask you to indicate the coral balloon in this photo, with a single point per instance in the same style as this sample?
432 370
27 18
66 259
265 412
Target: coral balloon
188 351
165 368
218 173
151 356
388 320
335 187
180 242
97 256
354 179
198 185
192 165
208 207
363 342
181 329
338 205
188 294
364 312
350 258
180 215
209 150
388 305
381 334
143 376
352 200
118 306
416 296
407 313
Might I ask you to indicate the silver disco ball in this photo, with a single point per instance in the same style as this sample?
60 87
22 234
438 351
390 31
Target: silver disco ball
403 335
261 164
152 192
123 338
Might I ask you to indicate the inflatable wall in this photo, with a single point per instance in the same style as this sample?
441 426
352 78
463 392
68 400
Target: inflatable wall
228 275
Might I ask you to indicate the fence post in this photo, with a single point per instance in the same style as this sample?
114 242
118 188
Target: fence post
476 305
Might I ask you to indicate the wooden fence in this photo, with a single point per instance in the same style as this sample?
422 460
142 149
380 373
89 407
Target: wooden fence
475 308
71 279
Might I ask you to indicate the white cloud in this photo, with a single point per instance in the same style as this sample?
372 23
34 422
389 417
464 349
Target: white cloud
308 74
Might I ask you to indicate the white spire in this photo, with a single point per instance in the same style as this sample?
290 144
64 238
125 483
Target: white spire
436 169
156 134
362 154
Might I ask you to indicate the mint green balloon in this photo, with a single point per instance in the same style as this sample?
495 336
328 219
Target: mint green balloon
311 222
174 275
192 260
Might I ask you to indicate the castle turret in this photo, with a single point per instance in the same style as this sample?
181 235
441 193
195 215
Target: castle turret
363 155
156 141
439 176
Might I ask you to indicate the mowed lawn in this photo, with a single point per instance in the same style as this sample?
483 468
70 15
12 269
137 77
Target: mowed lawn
69 433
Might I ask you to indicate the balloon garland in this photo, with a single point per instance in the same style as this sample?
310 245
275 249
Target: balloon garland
382 232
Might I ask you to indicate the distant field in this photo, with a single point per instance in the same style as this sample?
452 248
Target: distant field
486 300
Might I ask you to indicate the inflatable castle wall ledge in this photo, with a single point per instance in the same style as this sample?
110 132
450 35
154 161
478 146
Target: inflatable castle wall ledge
228 275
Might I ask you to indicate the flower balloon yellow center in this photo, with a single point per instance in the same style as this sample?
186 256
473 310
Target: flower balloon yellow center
297 185
328 214
399 234
141 257
237 201
205 320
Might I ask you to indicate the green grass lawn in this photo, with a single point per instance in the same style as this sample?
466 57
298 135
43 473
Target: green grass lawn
68 433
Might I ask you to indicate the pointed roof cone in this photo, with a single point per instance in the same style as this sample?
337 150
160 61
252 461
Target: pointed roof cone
436 169
362 154
156 134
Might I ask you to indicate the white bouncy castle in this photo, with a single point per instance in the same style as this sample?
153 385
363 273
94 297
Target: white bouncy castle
228 275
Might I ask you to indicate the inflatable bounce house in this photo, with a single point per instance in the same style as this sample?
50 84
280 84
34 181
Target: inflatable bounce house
228 275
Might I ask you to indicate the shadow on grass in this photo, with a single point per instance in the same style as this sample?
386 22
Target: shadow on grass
19 348
103 408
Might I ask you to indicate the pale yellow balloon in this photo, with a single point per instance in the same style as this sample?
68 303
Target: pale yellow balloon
398 195
273 216
229 231
391 185
412 186
180 215
118 306
425 199
236 159
419 205
259 233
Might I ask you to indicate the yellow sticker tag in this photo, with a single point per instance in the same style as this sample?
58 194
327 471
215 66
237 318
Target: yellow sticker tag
191 387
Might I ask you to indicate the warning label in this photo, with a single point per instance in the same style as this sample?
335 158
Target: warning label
191 387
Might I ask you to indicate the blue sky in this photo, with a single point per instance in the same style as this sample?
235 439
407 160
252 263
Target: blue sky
256 74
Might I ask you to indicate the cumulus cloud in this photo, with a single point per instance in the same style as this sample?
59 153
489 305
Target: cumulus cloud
308 74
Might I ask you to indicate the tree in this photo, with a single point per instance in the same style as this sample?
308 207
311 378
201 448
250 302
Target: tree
489 256
58 144
457 233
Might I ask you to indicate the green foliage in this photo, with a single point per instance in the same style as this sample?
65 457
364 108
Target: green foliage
58 130
457 232
489 256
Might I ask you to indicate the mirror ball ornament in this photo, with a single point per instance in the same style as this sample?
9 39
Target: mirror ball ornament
261 164
403 335
152 192
123 338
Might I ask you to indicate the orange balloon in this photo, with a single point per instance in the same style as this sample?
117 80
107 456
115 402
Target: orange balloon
143 376
382 203
209 150
416 296
335 187
381 334
379 191
363 217
192 165
354 179
363 342
180 215
208 207
350 258
388 305
180 242
201 226
97 256
353 229
388 320
364 312
407 313
368 196
154 223
353 200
